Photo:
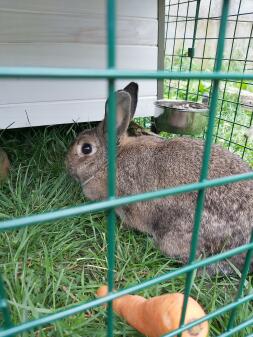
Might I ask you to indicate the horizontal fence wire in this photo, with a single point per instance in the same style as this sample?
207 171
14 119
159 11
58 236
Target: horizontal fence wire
231 142
211 18
117 202
209 58
74 73
219 100
244 325
183 38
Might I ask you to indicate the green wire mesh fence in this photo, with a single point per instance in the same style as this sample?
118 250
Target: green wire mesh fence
191 38
109 205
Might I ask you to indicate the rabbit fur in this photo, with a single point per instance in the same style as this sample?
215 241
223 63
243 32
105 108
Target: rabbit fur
148 163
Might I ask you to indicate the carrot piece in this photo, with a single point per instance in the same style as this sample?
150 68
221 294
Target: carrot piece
159 315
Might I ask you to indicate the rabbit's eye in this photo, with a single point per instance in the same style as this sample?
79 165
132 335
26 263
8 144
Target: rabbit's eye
86 148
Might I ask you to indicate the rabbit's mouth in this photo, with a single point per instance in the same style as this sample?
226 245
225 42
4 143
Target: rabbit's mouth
79 173
72 170
73 173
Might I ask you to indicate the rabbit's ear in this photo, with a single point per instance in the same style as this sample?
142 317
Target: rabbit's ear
132 89
123 100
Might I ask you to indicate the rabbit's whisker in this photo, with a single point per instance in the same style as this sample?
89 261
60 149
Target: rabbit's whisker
86 181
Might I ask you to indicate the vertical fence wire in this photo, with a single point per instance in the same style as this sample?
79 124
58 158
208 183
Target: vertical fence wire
230 139
167 26
174 45
204 47
206 156
193 45
7 323
241 83
111 151
226 82
246 267
238 97
183 46
161 54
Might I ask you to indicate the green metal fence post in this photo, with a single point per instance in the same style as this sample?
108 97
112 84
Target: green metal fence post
206 156
111 150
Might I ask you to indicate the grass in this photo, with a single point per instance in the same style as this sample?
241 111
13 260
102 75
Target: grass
54 265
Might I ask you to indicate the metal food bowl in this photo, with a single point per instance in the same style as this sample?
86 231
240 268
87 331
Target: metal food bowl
183 117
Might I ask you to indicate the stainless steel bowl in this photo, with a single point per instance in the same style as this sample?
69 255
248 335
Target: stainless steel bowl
183 117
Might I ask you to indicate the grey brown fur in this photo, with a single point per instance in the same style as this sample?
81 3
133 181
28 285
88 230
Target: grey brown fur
147 163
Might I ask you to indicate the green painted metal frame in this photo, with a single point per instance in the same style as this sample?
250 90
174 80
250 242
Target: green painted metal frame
112 202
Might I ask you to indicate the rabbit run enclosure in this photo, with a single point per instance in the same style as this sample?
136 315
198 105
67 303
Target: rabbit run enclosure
200 59
191 37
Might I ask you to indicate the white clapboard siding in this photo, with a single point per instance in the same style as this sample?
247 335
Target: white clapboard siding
140 9
64 55
35 114
87 28
13 91
77 55
61 33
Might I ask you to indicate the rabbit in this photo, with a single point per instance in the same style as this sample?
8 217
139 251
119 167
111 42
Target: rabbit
4 165
148 163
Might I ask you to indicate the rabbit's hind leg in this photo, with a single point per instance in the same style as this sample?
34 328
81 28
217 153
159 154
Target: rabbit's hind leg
173 244
172 229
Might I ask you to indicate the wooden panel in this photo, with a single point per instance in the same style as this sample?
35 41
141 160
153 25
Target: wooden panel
33 28
76 55
18 91
35 114
125 8
63 33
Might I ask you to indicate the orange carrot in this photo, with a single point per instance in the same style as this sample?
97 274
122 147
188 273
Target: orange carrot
159 315
4 165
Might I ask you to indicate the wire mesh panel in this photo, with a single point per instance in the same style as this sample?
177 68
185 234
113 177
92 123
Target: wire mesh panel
175 80
190 44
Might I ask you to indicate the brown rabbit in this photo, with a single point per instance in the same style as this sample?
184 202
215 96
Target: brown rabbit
148 163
